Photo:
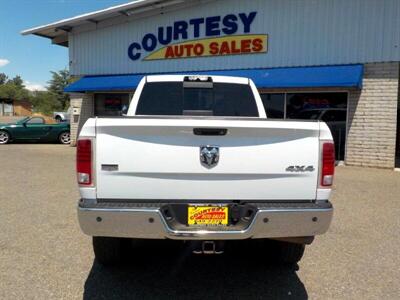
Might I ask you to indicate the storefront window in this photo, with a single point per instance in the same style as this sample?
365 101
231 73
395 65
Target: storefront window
300 105
110 104
328 107
274 105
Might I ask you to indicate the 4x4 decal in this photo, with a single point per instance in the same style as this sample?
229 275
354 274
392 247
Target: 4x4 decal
300 169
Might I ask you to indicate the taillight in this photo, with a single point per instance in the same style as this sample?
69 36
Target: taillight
84 162
328 163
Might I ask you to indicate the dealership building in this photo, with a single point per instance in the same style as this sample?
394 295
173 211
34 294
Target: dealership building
336 61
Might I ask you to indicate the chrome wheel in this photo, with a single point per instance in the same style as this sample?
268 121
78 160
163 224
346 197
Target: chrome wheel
4 137
65 138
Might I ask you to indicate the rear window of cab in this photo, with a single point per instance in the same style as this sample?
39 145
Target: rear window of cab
214 99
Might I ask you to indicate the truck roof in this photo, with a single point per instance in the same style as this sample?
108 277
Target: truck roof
181 77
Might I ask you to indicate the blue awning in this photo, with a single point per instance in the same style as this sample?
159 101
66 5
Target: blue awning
104 83
344 76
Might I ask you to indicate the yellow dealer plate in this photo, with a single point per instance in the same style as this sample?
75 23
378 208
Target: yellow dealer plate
207 215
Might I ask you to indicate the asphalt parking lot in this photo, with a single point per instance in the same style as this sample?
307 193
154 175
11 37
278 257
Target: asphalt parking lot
43 254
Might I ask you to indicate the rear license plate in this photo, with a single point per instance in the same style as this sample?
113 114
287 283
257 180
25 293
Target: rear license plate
207 215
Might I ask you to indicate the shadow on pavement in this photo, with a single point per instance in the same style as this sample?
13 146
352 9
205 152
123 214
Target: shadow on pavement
34 142
161 271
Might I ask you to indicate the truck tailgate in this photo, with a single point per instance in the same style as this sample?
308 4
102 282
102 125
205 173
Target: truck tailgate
159 159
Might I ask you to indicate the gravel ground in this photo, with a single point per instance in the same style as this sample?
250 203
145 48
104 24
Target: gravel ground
43 254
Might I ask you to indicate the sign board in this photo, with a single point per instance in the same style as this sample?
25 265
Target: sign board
214 36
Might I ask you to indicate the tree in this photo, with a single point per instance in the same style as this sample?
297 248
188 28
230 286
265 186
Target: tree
45 102
3 78
17 81
12 91
56 86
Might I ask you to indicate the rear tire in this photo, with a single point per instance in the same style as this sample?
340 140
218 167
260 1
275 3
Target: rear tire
291 253
4 137
64 138
58 119
108 250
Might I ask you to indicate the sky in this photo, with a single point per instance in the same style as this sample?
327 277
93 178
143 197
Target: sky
33 57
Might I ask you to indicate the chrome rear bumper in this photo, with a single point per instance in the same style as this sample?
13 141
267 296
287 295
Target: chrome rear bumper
149 223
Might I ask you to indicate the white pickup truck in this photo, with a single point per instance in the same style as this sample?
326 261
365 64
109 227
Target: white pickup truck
196 159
